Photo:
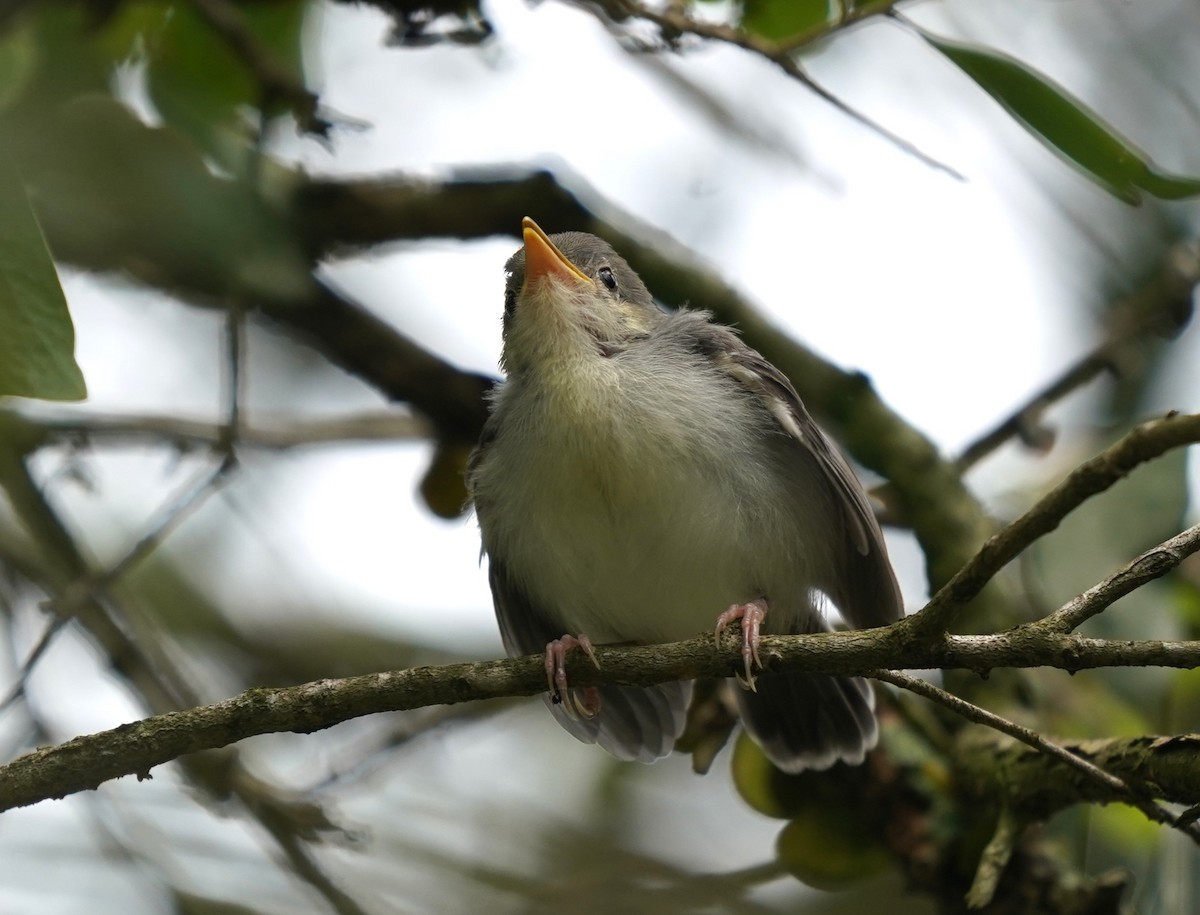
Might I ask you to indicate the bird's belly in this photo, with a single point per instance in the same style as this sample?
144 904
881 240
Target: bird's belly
639 508
656 563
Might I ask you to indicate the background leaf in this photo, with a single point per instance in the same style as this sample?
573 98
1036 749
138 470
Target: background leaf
37 339
1066 125
780 19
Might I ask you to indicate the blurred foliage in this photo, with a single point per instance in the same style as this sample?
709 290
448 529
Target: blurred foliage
36 335
835 835
778 21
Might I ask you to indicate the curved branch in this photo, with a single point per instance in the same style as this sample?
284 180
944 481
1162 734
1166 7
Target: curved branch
1144 443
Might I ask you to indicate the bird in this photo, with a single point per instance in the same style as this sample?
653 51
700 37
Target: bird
644 475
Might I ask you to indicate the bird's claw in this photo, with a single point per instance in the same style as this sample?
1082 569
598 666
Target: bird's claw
581 703
751 616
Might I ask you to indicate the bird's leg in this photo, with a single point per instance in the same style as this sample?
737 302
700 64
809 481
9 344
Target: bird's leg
586 705
751 616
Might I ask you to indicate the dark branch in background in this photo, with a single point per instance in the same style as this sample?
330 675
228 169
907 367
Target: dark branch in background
366 346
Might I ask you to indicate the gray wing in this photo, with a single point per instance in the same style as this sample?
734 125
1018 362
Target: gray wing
632 723
865 591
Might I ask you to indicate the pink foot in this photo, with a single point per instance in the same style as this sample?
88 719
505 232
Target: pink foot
586 705
751 616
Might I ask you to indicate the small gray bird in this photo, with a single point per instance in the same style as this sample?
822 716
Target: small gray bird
645 475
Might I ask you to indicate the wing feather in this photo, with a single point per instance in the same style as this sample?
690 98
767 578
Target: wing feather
865 588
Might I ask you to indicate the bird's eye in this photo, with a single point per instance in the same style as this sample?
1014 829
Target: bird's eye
606 277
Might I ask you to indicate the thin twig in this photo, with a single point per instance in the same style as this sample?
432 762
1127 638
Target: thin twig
1162 307
233 378
190 497
276 435
979 715
1152 564
674 21
27 666
1144 443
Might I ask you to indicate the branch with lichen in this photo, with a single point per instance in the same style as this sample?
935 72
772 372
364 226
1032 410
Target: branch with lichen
134 749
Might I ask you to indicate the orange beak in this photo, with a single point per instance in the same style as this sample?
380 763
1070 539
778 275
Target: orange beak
543 259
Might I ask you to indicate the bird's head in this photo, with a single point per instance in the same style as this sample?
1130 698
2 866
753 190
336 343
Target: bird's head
570 296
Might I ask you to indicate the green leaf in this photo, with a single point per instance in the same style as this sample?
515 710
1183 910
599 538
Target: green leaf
780 19
37 339
1066 125
18 60
114 191
832 839
831 849
202 87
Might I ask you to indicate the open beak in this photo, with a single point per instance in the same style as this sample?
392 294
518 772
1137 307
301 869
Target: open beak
543 259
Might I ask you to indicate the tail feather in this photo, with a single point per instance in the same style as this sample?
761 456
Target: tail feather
633 723
810 721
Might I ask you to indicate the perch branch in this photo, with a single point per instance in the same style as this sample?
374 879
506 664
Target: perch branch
135 748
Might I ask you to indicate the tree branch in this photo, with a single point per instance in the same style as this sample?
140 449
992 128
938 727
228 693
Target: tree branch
134 749
1145 442
53 424
1150 565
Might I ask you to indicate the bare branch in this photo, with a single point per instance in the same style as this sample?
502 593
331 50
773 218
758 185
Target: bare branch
1150 565
86 762
673 20
1144 443
278 434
